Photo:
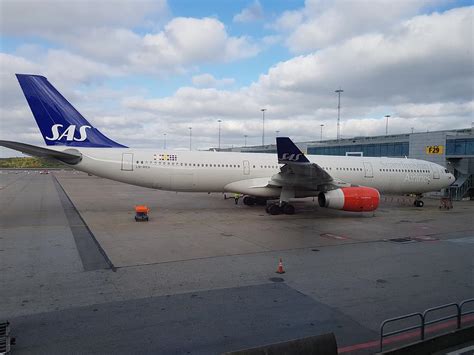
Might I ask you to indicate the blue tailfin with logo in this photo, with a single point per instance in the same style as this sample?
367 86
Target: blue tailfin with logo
288 152
59 122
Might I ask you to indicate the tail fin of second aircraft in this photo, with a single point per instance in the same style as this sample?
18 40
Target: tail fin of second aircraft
288 152
59 122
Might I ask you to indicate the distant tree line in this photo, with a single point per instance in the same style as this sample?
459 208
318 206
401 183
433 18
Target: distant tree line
28 162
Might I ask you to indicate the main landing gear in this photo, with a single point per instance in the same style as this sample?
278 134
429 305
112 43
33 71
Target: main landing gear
418 202
250 201
275 209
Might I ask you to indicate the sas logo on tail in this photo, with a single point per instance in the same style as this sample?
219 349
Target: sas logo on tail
69 133
291 157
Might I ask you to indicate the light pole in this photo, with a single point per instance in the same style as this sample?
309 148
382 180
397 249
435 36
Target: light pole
339 91
164 141
412 129
190 137
386 124
245 136
277 133
321 138
219 121
263 126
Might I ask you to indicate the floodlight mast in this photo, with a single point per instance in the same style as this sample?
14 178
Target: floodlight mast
339 91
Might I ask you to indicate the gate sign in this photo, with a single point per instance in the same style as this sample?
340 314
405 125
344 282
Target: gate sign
434 149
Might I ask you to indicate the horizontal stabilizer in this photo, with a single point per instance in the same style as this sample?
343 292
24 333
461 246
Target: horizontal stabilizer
288 152
70 156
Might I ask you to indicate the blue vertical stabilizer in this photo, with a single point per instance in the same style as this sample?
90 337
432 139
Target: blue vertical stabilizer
59 122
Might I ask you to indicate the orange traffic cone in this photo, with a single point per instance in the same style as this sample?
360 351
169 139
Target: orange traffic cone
280 268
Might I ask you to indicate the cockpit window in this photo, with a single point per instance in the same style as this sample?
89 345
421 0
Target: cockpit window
446 171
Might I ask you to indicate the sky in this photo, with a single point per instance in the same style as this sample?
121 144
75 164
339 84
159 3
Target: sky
138 70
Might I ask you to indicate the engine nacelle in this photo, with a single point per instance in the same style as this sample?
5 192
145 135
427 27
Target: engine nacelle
353 199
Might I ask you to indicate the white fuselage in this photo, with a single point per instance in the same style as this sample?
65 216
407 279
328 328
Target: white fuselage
223 171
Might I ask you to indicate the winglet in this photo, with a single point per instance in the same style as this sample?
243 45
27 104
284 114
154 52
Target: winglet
288 152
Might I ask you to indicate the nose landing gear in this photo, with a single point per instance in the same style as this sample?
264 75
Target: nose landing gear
418 202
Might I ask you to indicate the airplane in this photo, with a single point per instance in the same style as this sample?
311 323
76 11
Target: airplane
340 182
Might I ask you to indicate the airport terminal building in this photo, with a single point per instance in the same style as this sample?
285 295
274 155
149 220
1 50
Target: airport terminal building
453 149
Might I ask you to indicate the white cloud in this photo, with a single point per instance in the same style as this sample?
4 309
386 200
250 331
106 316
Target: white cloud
421 68
418 69
322 23
183 43
186 41
207 80
53 17
253 12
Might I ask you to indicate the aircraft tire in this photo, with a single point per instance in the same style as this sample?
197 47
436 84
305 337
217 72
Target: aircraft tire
288 209
248 201
274 210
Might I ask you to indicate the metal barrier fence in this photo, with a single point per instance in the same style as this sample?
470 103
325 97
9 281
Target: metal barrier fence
423 322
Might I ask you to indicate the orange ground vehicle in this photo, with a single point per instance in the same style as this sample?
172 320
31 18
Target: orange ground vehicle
141 213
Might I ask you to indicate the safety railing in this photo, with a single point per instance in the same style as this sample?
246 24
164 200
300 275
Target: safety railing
423 323
458 192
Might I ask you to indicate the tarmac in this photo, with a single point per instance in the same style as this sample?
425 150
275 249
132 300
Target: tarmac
79 275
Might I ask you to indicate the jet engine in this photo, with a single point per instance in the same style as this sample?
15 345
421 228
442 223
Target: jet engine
353 199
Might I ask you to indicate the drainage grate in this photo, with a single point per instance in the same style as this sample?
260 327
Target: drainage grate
4 338
401 240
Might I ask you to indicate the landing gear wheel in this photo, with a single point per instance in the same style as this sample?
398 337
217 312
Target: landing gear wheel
288 209
260 201
419 203
274 210
249 201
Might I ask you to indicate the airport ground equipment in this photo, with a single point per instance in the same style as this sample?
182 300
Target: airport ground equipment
446 203
141 213
461 311
5 339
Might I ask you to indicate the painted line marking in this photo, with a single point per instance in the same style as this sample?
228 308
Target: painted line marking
405 336
466 240
462 351
334 236
425 238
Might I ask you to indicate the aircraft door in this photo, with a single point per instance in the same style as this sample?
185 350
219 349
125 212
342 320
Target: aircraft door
246 165
435 171
127 162
369 173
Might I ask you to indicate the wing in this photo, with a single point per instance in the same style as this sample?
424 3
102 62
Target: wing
70 156
299 173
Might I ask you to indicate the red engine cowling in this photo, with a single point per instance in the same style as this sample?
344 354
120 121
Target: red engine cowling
353 199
